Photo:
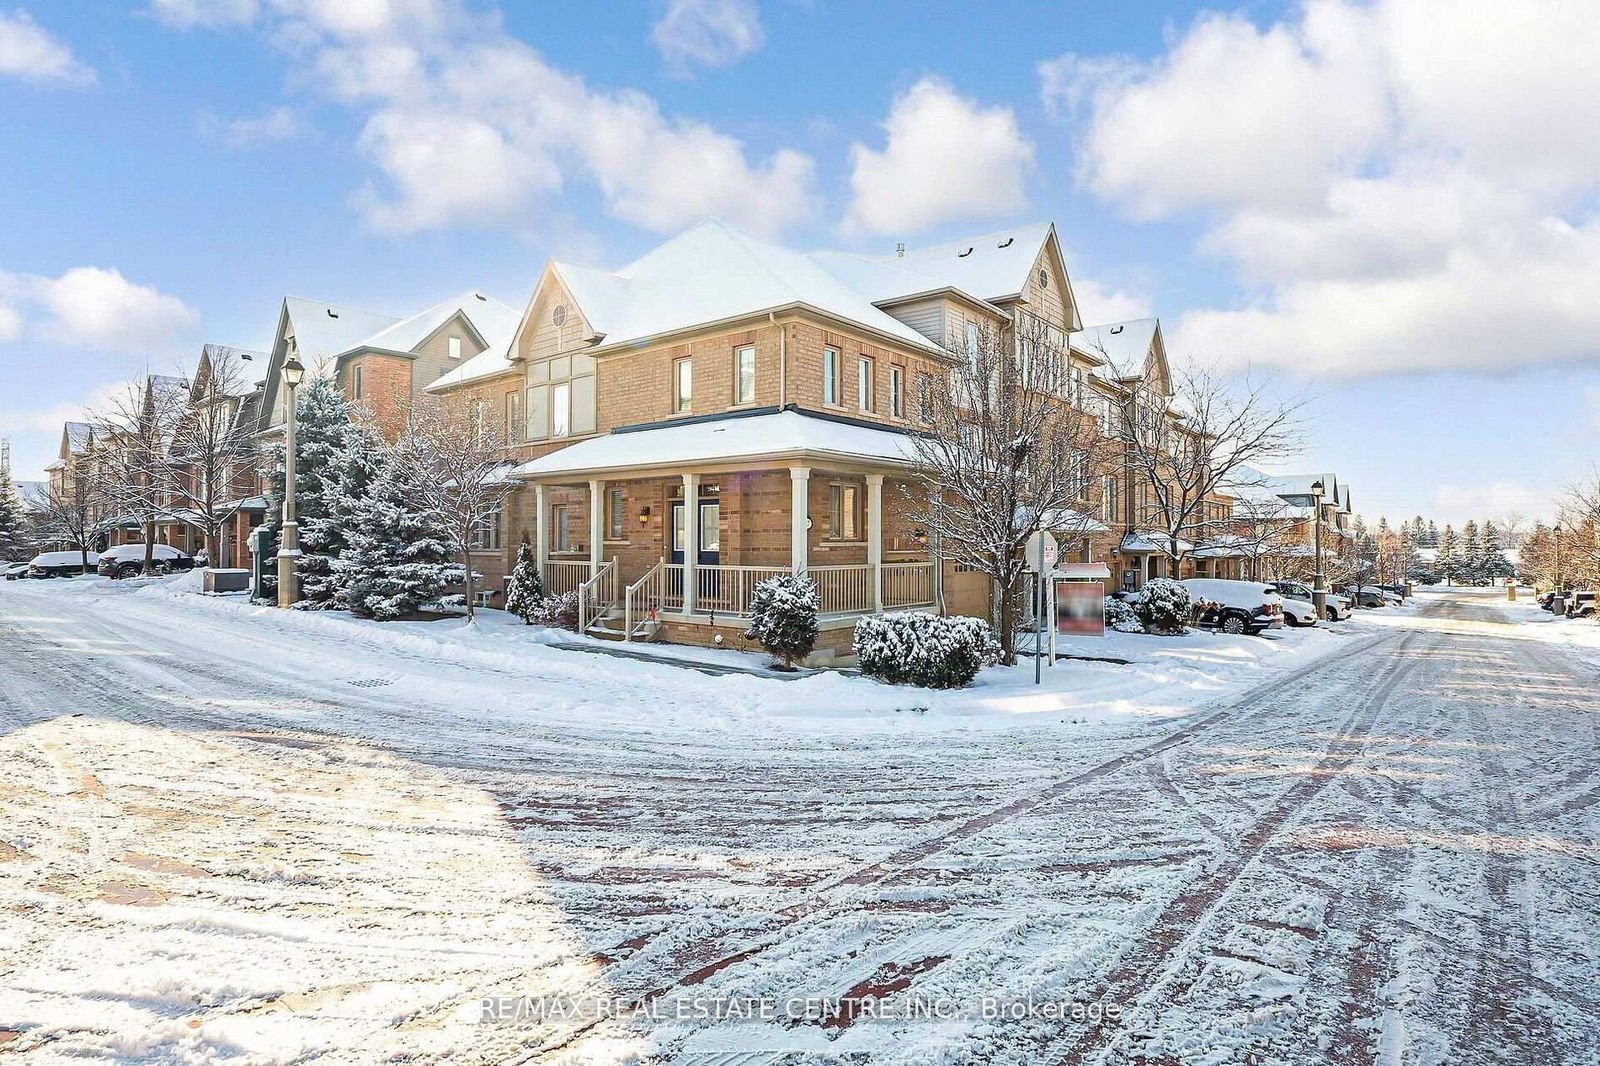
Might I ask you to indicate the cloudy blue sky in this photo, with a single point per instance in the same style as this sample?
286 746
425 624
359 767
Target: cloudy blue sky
1390 205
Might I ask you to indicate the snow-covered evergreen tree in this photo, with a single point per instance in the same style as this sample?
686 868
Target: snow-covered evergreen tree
16 537
1448 561
1471 552
347 466
783 617
329 448
1494 567
399 557
1432 540
525 590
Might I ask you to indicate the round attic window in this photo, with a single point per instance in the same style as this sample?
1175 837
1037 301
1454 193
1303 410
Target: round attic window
559 315
1044 278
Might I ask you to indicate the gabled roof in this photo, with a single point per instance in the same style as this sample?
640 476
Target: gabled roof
323 330
487 316
496 324
1124 345
991 266
75 437
714 272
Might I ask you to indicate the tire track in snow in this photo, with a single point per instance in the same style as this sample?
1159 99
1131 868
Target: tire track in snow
1194 909
700 959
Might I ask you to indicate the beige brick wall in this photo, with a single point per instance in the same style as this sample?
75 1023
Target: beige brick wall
385 389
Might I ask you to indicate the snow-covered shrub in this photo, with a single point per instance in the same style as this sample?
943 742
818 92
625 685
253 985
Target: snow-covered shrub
1164 606
525 590
911 648
558 612
783 617
1121 617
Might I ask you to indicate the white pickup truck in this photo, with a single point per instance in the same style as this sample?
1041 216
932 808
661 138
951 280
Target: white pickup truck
1298 609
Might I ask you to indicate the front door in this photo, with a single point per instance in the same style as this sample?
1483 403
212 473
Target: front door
710 535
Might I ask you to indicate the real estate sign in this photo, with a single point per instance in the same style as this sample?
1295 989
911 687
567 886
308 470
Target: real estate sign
1080 608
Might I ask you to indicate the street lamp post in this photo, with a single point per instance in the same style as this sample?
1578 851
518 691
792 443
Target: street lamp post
1559 603
289 545
1319 593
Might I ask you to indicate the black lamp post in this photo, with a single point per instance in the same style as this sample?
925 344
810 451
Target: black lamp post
1319 594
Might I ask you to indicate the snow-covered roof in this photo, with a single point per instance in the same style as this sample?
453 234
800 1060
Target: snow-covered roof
494 321
1123 345
323 330
757 436
1147 543
990 266
714 272
78 435
1223 546
497 324
1068 519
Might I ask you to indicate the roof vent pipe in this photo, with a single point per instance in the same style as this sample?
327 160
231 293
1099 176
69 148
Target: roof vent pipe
900 250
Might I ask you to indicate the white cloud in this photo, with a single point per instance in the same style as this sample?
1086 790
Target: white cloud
278 124
1407 185
1099 303
711 33
96 307
190 14
10 323
946 157
1456 504
466 125
29 53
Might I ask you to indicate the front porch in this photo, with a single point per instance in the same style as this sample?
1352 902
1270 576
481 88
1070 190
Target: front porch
678 552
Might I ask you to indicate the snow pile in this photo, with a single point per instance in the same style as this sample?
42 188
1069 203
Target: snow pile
911 648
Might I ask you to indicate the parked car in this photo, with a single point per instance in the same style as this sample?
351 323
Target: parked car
1372 596
1298 606
1580 604
60 564
12 571
1236 606
126 560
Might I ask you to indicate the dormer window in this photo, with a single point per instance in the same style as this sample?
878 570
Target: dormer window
455 347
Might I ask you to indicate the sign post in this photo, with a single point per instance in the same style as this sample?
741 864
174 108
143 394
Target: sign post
1043 549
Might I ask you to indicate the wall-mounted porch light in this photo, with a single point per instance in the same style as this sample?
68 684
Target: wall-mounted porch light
644 514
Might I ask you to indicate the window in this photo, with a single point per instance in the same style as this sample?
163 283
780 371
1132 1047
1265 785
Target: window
614 514
566 406
1108 498
538 413
843 515
561 410
355 383
455 347
559 541
559 315
1077 483
924 396
897 386
974 337
744 375
830 375
513 417
864 383
1044 278
683 386
486 534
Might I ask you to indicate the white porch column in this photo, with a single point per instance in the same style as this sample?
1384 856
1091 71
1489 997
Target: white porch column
541 532
799 513
597 518
875 537
691 542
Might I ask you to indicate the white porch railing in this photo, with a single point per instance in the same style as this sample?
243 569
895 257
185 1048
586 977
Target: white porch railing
718 589
643 600
843 589
596 595
907 585
564 576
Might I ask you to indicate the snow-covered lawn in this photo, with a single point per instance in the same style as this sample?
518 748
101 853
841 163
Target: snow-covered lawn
235 835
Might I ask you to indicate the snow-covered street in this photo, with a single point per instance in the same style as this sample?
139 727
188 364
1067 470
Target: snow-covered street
231 836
